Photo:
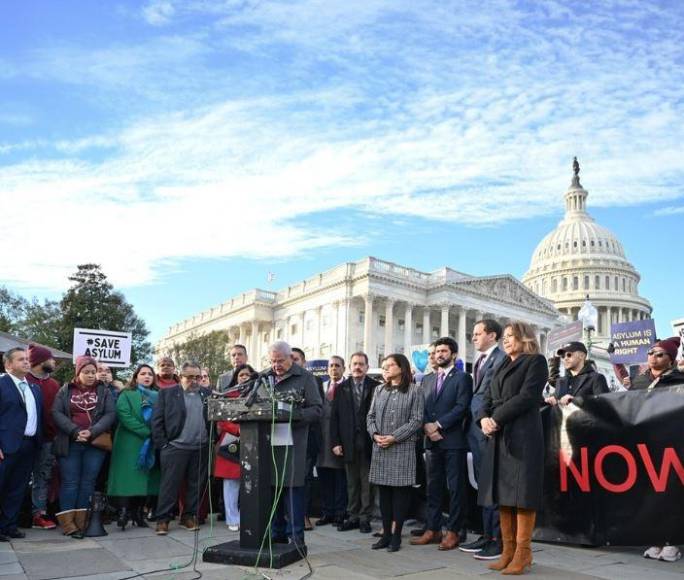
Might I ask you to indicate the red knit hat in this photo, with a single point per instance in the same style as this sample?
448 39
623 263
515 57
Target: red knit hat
670 346
38 354
84 361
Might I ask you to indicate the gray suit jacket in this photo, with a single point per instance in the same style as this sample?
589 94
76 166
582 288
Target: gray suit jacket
223 381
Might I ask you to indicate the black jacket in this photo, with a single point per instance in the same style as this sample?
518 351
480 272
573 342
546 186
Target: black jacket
668 379
450 407
587 382
168 416
345 421
512 466
103 418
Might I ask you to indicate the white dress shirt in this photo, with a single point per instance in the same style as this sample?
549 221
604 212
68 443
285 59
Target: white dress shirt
30 402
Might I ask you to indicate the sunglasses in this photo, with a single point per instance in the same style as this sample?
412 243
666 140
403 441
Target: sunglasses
657 353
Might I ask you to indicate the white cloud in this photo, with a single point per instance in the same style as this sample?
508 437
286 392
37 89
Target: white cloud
273 112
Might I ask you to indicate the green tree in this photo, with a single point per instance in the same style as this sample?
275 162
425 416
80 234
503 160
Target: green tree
92 302
11 310
209 350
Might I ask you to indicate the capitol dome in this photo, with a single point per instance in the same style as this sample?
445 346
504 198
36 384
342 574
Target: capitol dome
581 258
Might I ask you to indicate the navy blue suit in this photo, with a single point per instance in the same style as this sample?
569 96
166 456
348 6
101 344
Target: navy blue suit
476 439
19 451
447 458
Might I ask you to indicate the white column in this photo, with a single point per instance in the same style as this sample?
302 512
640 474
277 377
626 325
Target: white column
241 335
300 341
444 326
317 344
254 346
427 329
368 342
389 326
336 309
462 346
408 329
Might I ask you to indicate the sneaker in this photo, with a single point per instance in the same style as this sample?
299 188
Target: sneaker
653 552
189 523
670 554
491 551
40 522
233 527
162 528
475 546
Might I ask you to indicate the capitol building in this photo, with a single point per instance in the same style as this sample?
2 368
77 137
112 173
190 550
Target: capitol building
581 259
380 307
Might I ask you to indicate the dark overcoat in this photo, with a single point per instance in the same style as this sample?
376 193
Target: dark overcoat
345 420
512 468
302 381
326 458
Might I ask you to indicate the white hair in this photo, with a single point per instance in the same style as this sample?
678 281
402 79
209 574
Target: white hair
281 347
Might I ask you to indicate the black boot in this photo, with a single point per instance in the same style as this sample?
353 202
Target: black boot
122 518
139 517
395 542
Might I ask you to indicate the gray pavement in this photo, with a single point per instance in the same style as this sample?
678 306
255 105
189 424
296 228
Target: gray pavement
45 555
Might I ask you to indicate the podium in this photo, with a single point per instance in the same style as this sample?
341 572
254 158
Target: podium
256 491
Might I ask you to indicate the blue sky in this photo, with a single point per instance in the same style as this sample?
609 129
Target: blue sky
192 146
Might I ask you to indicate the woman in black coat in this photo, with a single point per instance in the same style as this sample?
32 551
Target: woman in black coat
511 473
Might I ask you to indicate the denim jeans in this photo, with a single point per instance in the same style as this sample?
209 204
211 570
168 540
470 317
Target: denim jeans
79 471
42 476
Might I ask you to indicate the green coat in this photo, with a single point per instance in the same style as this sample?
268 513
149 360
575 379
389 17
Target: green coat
125 479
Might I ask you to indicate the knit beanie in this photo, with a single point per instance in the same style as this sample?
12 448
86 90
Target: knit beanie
38 354
84 361
670 346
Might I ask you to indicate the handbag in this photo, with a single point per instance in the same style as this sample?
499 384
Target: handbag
229 448
103 441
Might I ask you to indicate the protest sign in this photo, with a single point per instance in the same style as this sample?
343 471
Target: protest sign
613 470
560 336
110 347
631 341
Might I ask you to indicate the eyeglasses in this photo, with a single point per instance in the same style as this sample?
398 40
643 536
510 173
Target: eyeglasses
657 353
192 377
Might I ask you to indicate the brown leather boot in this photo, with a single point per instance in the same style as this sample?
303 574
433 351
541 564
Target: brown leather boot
449 542
522 560
508 530
429 537
66 521
81 519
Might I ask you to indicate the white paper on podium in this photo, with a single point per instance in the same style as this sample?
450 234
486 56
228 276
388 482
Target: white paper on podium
282 435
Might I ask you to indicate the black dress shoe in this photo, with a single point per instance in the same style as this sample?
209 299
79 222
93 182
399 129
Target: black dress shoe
15 534
365 527
348 525
382 543
395 543
4 538
325 520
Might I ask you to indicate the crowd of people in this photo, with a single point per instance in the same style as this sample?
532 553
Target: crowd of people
150 447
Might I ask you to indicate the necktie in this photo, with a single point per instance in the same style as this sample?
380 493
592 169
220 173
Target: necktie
440 382
476 371
23 385
331 390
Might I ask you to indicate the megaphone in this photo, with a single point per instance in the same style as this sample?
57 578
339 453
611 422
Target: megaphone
98 502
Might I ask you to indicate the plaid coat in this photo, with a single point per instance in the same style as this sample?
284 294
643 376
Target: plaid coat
401 415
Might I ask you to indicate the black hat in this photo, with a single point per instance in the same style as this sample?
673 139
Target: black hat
574 346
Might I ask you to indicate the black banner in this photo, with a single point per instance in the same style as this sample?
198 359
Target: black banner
614 472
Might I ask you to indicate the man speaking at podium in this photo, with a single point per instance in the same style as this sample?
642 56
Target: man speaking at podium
290 447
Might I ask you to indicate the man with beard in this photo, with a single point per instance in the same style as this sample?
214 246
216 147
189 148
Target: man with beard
446 407
42 366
